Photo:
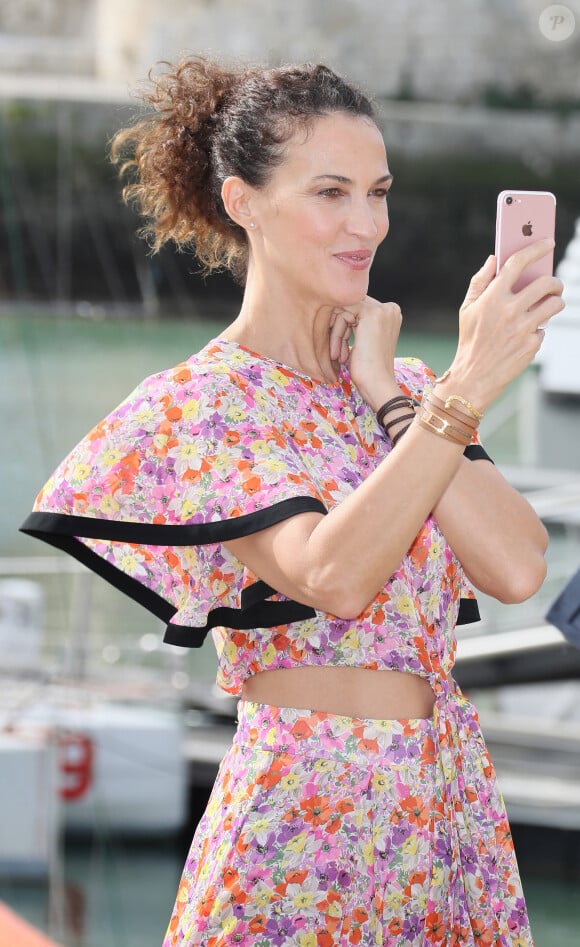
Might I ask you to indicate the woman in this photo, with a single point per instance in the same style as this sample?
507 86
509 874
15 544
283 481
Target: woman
325 509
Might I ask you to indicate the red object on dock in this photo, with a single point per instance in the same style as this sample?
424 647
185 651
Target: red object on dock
15 931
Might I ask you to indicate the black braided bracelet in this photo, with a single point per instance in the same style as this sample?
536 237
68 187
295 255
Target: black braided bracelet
397 437
402 417
401 401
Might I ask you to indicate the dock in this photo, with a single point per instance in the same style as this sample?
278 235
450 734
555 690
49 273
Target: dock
16 932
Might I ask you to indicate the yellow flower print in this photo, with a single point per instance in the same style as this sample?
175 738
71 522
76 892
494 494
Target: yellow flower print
259 827
222 465
111 457
307 940
187 457
237 358
270 737
394 899
230 651
350 640
351 451
81 471
262 897
229 923
236 414
423 900
187 510
160 441
219 587
303 900
274 464
380 782
262 399
269 655
410 845
288 783
368 853
190 410
433 602
368 425
435 549
279 378
109 505
296 844
189 557
129 563
260 446
322 766
144 416
437 876
404 605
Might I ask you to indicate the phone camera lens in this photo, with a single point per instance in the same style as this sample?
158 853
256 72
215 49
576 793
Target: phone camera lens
509 200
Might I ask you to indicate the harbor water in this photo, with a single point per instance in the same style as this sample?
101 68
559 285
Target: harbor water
58 377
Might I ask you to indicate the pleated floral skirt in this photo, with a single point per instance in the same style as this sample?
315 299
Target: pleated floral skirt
328 830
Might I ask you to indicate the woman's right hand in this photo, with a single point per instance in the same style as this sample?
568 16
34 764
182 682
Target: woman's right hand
499 330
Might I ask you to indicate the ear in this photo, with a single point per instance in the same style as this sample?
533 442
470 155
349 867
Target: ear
236 195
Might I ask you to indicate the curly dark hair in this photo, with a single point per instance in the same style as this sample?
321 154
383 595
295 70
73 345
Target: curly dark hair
208 123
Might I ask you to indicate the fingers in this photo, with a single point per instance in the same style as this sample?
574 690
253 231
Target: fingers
545 310
517 262
540 288
480 280
342 324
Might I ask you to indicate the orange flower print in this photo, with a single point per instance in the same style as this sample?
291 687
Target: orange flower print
435 926
301 730
317 809
182 376
251 485
396 927
258 924
417 811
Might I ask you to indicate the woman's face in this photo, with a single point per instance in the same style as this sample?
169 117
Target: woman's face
324 212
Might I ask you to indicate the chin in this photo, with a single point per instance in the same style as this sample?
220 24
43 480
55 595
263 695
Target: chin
349 295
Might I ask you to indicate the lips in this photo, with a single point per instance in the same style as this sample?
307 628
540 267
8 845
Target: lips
355 259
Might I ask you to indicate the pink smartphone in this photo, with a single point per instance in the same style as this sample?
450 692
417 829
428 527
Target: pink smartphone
524 217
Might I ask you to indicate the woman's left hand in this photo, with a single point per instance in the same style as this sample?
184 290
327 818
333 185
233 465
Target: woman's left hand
376 328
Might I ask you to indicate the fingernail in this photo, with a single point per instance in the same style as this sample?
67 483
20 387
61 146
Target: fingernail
549 242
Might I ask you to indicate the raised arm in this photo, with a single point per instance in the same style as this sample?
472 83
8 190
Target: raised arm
339 562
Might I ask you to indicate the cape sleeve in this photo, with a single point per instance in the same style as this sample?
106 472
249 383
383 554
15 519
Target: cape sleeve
189 460
415 379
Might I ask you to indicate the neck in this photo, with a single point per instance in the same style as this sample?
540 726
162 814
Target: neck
297 335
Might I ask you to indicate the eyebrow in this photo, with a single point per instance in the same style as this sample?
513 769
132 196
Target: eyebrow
386 178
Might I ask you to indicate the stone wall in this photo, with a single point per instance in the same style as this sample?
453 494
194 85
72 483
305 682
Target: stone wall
448 50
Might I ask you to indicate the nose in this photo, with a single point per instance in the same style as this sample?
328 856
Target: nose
367 219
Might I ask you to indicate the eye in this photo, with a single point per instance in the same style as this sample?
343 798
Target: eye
381 192
331 192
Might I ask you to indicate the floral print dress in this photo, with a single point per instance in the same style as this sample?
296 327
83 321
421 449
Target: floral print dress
321 829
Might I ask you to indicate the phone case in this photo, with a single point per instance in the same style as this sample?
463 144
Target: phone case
524 217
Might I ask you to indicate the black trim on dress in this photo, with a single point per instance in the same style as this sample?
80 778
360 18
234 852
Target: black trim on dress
476 452
468 611
61 531
159 534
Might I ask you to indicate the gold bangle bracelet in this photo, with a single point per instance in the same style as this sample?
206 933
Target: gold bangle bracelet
462 417
467 424
466 404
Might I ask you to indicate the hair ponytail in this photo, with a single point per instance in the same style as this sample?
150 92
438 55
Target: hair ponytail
209 123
